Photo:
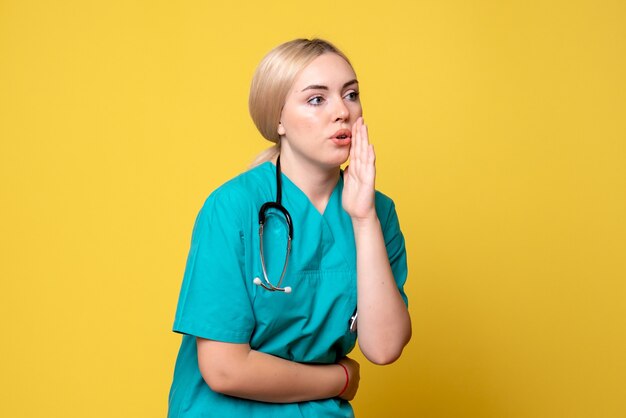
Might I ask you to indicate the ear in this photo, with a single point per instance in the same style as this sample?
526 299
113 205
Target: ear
281 129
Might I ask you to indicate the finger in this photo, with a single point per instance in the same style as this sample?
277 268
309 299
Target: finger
363 142
356 145
371 155
351 156
365 133
371 163
353 142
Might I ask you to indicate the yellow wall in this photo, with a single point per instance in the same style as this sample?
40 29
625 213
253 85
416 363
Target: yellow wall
500 130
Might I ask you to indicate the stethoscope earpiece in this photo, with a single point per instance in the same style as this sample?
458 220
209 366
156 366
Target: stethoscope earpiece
257 281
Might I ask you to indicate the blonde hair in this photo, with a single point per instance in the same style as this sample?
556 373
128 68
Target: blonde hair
272 81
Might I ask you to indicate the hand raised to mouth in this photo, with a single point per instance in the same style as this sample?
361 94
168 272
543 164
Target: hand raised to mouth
360 175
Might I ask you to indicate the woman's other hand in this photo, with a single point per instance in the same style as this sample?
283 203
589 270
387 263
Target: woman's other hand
354 376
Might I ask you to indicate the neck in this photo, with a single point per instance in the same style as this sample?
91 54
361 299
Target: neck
316 182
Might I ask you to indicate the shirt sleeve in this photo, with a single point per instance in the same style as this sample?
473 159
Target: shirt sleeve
213 301
396 250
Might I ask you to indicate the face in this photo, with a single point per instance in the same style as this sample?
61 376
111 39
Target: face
320 109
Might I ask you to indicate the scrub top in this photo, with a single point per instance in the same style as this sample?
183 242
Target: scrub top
219 301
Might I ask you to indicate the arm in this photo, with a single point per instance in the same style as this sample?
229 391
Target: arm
384 322
236 370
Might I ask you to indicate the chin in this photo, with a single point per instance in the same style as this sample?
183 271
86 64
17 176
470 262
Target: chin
338 159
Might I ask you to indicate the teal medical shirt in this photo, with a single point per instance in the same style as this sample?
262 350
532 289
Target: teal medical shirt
219 301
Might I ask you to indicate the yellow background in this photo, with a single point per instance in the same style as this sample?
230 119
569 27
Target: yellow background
500 130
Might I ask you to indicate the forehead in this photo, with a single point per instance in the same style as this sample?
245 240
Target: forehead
328 69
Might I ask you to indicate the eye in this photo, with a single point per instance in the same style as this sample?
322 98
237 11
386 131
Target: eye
316 101
353 96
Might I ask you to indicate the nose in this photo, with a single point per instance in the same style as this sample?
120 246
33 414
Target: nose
341 111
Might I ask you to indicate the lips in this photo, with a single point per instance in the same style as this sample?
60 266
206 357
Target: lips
342 137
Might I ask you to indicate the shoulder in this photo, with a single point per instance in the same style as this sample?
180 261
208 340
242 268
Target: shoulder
384 204
246 184
239 195
383 201
386 211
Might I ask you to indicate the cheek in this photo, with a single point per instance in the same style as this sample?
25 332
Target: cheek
293 116
304 120
310 122
356 110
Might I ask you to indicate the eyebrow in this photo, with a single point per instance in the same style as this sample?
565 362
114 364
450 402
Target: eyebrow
322 87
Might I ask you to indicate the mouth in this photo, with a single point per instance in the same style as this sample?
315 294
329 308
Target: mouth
342 137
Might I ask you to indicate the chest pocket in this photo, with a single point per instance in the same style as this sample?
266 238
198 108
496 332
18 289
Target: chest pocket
310 324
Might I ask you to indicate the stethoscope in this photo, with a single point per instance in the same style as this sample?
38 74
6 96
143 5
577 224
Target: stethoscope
267 285
262 214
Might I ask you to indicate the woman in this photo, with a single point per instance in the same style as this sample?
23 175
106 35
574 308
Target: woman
263 337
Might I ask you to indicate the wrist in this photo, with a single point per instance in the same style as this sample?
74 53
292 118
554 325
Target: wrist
346 379
365 222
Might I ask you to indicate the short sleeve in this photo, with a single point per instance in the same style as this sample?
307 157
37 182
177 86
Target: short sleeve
396 250
213 301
